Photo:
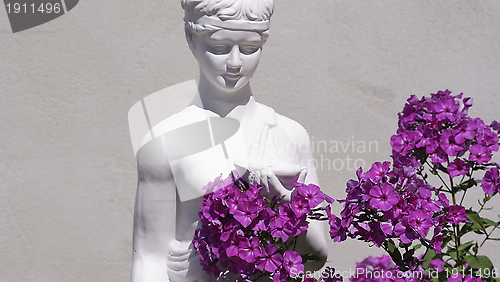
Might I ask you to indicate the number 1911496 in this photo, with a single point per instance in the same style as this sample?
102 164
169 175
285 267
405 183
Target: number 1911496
24 8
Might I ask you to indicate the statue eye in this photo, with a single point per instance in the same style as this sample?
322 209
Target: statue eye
249 49
219 49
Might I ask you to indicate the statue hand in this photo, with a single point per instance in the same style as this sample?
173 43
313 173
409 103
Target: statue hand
183 265
178 256
278 182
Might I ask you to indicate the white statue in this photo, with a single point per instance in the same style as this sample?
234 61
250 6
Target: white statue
224 129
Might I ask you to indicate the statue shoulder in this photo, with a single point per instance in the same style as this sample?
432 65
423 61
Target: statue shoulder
293 129
188 115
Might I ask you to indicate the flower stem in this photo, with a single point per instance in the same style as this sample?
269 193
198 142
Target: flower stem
456 231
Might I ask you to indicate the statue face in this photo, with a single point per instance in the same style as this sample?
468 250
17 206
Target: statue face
228 58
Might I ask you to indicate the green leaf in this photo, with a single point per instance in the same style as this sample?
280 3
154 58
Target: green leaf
465 247
466 228
477 222
393 251
453 254
479 262
310 258
429 255
465 185
488 222
475 249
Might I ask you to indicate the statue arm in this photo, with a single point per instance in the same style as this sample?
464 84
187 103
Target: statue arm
154 217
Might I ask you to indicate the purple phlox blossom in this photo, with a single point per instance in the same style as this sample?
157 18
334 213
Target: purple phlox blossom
404 231
280 275
337 231
443 200
207 260
437 264
377 235
458 167
439 156
449 144
300 206
420 221
240 266
425 200
405 142
377 171
411 109
403 172
279 218
218 208
465 104
491 181
383 267
283 231
236 199
232 246
485 136
262 222
464 130
456 214
270 259
399 160
298 225
280 226
437 239
249 249
427 140
445 109
219 184
253 192
495 126
382 197
312 194
479 153
245 212
292 262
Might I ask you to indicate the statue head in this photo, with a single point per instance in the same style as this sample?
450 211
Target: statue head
226 37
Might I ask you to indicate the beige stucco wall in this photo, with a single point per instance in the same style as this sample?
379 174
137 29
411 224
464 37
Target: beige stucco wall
341 68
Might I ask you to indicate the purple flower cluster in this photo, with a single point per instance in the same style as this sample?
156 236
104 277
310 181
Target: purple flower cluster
249 235
438 128
395 203
383 269
386 205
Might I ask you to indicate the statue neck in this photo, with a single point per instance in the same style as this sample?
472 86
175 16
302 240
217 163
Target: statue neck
219 101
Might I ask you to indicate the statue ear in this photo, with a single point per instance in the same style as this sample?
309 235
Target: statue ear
190 40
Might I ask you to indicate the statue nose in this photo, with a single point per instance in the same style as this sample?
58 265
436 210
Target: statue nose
234 60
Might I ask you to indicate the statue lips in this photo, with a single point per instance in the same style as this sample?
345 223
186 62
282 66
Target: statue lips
233 76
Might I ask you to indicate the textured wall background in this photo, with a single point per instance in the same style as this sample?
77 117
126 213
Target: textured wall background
341 68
